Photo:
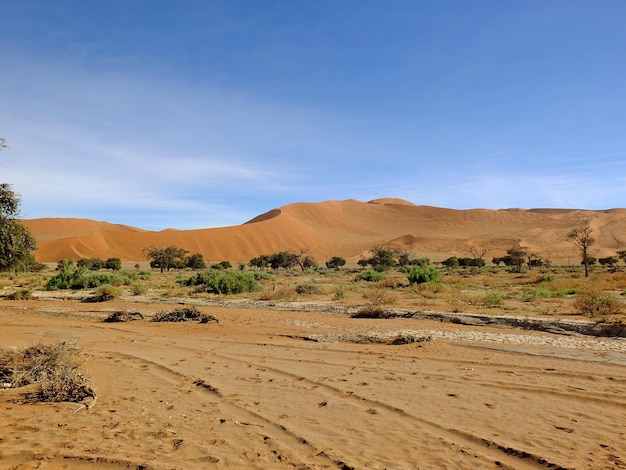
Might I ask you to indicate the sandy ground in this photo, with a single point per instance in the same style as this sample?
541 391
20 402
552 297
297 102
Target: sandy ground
252 392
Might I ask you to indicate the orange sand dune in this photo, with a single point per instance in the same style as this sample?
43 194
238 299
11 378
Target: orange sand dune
344 228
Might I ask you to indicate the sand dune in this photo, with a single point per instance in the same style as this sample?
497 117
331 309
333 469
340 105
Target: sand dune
344 228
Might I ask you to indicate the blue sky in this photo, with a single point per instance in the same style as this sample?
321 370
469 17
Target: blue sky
200 113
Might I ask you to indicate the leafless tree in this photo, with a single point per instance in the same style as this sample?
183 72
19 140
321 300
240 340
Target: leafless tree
478 252
581 237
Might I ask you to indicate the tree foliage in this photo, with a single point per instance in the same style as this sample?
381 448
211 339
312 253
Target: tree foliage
423 274
195 261
335 262
382 258
114 264
16 241
165 258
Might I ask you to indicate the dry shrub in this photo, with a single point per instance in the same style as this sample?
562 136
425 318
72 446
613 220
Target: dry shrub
184 314
595 304
427 290
390 284
21 294
379 297
56 368
308 289
608 281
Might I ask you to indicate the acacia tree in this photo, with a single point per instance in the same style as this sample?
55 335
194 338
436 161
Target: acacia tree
581 237
16 242
165 258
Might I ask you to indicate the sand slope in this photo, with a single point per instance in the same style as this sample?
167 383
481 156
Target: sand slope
344 228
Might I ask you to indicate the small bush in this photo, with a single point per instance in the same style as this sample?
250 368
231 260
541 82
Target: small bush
594 304
107 292
71 277
138 289
378 297
339 294
308 289
370 275
277 294
371 311
224 282
545 278
493 299
422 274
21 294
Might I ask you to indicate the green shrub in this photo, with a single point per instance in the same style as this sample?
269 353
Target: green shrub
493 299
420 274
224 282
71 277
65 277
107 292
540 292
543 292
370 275
595 304
339 294
308 289
545 278
138 289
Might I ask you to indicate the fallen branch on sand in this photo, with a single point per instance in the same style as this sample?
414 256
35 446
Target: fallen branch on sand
123 316
184 314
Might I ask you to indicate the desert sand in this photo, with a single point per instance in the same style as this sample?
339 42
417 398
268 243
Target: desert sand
347 229
290 389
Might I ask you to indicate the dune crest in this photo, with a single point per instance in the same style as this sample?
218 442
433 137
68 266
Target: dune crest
345 228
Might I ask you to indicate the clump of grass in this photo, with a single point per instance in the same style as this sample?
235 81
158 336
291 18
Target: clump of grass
543 292
370 275
138 289
106 292
56 368
493 299
308 289
544 277
595 304
378 298
20 294
339 294
277 294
